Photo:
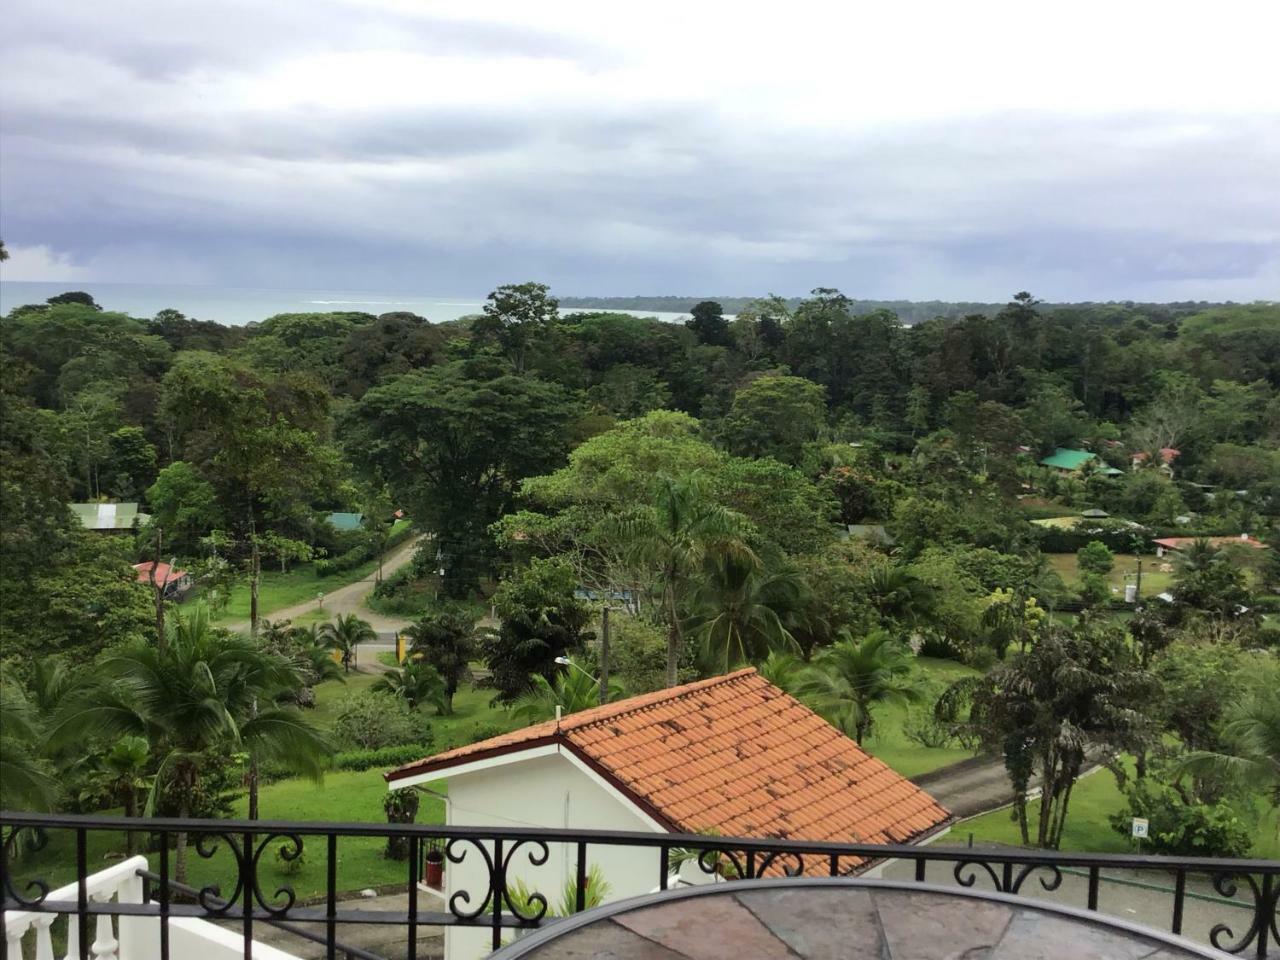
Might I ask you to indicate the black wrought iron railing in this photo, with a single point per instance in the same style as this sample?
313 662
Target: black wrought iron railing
1236 900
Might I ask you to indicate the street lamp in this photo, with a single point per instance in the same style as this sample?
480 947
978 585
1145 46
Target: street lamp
566 662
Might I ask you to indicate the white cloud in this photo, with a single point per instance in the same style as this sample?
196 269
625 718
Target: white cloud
40 263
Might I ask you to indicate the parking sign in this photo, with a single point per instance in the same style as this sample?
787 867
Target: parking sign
1140 827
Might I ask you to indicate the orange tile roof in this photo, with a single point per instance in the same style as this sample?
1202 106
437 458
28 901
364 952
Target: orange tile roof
734 755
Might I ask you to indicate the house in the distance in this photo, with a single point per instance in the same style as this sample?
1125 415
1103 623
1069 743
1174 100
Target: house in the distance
173 582
108 517
1066 460
732 755
1174 544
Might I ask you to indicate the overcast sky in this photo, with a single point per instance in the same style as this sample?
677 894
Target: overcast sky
1084 150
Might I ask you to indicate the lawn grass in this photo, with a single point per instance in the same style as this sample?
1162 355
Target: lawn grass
890 744
1094 798
1154 579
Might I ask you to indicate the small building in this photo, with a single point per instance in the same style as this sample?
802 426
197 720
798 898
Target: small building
345 522
1067 460
174 583
873 533
109 517
1174 544
733 755
1094 514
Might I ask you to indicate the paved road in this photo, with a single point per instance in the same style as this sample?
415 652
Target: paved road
969 787
350 599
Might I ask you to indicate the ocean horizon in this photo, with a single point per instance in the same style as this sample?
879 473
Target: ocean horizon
240 305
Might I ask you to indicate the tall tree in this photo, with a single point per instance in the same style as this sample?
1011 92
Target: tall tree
516 315
446 640
738 610
776 417
674 536
708 324
345 634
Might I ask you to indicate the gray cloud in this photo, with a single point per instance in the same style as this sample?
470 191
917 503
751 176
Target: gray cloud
173 141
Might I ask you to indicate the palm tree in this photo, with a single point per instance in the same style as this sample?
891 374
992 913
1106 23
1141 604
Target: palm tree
574 690
25 782
1252 737
415 684
195 695
852 677
346 634
900 597
784 670
739 610
447 641
682 527
122 774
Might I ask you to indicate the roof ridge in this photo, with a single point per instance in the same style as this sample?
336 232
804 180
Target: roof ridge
584 718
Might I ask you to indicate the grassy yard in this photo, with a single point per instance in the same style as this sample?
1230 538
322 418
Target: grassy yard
1093 800
1155 579
890 744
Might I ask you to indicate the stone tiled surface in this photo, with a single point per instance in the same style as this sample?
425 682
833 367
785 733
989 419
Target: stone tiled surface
848 923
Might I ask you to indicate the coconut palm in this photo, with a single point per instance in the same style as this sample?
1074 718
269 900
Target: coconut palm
122 776
853 677
415 684
205 690
785 671
25 781
345 634
1252 737
683 526
447 641
574 689
739 609
900 597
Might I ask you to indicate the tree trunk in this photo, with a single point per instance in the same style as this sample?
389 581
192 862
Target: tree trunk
604 655
253 772
130 811
180 839
255 571
675 640
158 592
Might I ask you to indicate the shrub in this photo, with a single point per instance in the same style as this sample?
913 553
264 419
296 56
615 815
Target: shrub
1094 557
372 721
1094 590
385 756
1183 829
401 806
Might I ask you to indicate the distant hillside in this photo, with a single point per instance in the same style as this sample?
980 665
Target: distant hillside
908 311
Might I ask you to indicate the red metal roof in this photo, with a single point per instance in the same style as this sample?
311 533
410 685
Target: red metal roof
734 755
165 574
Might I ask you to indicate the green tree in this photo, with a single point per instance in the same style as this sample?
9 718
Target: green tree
446 640
674 536
452 443
122 774
572 689
1042 709
133 462
26 781
903 600
1094 557
204 690
345 634
708 324
540 621
414 683
776 417
516 315
739 608
851 678
1205 578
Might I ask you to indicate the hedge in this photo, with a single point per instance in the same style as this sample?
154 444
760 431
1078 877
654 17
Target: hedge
385 757
361 553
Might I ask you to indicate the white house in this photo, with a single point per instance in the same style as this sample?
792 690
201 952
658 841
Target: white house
733 755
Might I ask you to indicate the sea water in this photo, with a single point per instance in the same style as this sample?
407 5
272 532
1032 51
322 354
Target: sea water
240 305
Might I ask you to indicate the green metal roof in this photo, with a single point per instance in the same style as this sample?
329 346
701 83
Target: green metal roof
1066 459
108 516
345 521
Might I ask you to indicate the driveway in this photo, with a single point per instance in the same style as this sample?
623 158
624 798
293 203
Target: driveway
350 598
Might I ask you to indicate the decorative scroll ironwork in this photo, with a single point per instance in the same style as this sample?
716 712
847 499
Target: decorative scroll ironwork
1266 903
498 898
289 851
206 845
454 853
14 846
537 857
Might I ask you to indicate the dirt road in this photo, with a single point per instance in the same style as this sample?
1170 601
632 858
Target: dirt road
350 599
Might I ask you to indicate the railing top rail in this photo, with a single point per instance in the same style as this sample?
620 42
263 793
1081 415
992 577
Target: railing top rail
641 839
108 878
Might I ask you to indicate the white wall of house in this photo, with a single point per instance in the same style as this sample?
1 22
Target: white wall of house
552 789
